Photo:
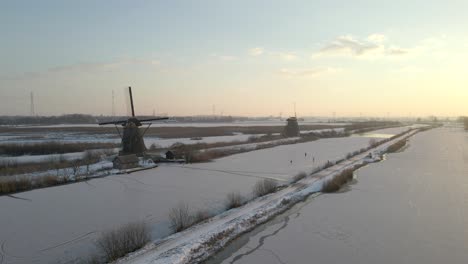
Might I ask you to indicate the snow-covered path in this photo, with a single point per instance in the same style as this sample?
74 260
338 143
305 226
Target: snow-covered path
202 240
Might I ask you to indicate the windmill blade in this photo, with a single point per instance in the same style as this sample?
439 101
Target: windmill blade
113 122
154 119
131 101
126 95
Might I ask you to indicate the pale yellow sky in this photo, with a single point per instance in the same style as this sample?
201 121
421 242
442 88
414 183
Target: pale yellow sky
364 58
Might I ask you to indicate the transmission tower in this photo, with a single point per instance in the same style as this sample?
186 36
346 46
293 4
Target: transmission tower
32 111
113 104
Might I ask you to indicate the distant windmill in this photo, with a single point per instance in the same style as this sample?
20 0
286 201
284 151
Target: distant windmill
132 138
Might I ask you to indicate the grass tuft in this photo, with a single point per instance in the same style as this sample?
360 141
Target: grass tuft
119 242
234 200
264 187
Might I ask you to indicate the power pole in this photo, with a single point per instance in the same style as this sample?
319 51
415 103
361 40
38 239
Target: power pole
295 115
113 104
32 111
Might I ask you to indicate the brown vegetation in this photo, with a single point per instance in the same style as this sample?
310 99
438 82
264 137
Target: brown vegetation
180 217
117 243
10 185
339 180
46 148
9 167
168 132
264 187
396 146
299 177
234 200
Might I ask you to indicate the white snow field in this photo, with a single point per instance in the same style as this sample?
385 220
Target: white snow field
59 224
199 242
206 124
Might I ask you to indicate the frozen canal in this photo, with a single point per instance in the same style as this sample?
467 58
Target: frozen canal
411 208
59 224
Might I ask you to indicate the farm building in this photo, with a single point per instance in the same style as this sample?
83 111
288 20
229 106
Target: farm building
170 155
125 162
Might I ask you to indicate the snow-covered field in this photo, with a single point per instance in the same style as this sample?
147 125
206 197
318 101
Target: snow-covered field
202 124
70 137
58 224
409 209
199 242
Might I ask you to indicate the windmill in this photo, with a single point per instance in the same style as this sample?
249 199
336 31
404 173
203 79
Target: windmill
132 136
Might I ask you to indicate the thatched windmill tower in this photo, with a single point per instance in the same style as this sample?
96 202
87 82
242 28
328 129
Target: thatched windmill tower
132 136
292 127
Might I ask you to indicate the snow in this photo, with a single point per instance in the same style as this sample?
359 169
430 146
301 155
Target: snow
82 210
403 210
216 139
201 124
201 241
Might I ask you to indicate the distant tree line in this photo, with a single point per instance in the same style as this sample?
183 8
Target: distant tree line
465 122
368 125
89 119
47 120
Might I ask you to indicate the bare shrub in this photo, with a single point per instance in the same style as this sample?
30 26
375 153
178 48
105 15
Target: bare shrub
8 186
180 217
339 180
373 142
264 187
23 184
200 216
117 243
396 146
299 176
233 200
75 165
252 139
52 147
49 180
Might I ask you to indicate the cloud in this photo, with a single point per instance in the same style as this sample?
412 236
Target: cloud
88 68
396 51
224 57
377 38
349 46
283 55
287 56
374 46
93 67
256 51
410 69
306 72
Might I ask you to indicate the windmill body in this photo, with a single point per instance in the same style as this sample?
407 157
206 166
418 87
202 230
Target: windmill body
132 139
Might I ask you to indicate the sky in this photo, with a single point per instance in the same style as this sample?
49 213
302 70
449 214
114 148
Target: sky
248 58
